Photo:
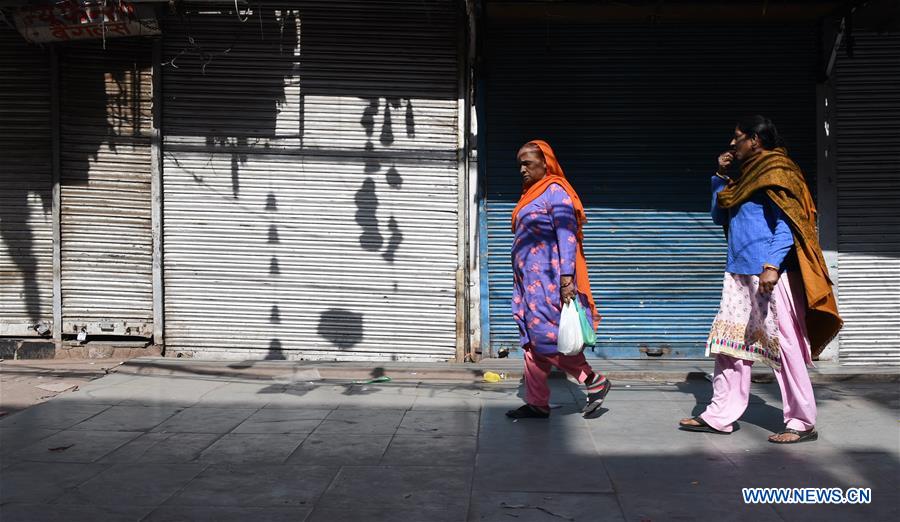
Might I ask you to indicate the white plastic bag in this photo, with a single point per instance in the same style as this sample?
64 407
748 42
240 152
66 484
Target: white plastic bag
570 340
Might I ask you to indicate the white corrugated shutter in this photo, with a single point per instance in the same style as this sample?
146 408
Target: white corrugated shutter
310 181
867 89
26 225
105 187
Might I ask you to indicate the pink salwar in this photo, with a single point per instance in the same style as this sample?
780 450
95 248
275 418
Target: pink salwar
731 380
537 370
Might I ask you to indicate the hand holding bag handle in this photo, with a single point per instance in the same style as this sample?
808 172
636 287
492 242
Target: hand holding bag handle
571 339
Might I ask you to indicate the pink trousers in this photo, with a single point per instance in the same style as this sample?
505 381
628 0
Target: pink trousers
731 381
537 370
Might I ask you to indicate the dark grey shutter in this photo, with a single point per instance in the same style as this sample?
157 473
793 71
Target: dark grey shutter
637 115
867 88
26 225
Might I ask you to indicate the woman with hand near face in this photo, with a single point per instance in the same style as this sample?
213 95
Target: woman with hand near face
777 304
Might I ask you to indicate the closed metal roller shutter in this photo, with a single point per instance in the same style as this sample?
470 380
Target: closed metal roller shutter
26 224
637 115
867 89
310 180
105 187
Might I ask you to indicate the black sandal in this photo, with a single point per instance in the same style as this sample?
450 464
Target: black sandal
595 400
802 436
702 428
527 411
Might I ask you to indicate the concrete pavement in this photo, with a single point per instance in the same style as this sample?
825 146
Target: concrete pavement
24 383
185 443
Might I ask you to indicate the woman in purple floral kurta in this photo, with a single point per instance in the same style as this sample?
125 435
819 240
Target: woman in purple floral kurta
549 270
544 248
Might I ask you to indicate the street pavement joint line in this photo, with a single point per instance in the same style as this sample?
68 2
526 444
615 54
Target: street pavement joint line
179 490
155 444
537 508
612 482
108 406
297 448
207 392
315 503
475 459
65 491
211 443
393 436
178 409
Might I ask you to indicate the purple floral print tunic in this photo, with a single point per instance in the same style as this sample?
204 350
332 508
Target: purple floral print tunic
544 248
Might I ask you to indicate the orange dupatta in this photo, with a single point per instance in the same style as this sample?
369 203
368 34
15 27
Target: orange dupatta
555 175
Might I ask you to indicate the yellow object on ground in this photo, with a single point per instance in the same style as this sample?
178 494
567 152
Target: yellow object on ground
492 377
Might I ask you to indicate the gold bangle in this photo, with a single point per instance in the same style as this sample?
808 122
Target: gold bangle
767 266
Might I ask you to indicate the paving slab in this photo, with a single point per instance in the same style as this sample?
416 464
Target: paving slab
431 450
651 505
548 471
75 446
565 432
171 448
205 420
144 485
482 392
439 423
41 482
781 468
53 415
616 432
145 390
17 437
181 390
378 396
370 421
701 472
445 404
525 441
544 507
341 449
305 396
25 383
859 426
394 493
252 485
252 448
128 418
227 514
70 513
283 420
255 394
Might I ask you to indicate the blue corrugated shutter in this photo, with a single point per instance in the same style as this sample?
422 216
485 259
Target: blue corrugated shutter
637 116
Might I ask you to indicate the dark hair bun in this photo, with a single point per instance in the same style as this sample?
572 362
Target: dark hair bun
762 128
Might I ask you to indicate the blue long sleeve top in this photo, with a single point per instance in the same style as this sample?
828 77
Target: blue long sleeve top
758 233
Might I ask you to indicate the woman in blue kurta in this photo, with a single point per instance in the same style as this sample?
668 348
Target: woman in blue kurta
777 305
549 270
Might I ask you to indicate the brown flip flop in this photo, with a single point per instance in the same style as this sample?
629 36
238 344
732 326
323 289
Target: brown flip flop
803 436
702 428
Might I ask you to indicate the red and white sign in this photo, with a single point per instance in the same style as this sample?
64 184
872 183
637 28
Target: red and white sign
79 20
